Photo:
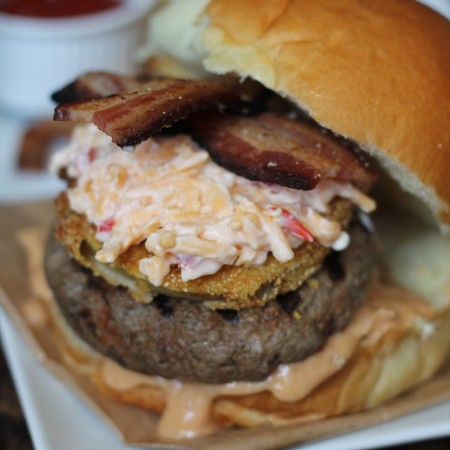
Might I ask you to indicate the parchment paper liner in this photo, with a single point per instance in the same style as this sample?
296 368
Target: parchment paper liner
133 425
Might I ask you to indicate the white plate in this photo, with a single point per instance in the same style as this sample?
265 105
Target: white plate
442 6
58 419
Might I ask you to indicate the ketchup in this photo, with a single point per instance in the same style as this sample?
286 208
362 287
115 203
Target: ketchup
56 8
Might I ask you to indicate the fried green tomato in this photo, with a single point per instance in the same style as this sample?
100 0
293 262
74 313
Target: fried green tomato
232 287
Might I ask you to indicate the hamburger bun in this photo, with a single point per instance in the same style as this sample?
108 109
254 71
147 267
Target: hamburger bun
375 74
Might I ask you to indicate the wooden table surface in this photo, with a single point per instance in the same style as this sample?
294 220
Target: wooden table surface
14 433
13 429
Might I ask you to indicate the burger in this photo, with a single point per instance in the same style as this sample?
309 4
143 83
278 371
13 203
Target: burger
254 231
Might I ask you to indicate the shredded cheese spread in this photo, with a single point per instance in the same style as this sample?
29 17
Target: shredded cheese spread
189 211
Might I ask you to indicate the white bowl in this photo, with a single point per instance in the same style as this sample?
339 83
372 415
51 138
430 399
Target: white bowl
38 56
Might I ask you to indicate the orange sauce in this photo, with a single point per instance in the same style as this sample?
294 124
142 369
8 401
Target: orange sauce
188 405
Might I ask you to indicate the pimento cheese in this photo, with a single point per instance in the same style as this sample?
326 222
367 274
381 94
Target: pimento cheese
189 211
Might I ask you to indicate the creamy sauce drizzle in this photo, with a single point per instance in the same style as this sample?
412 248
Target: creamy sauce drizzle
188 409
189 211
33 307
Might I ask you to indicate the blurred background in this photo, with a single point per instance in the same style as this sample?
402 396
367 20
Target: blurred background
45 44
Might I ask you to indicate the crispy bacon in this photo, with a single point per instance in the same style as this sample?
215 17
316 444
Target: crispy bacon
95 85
268 147
130 118
275 149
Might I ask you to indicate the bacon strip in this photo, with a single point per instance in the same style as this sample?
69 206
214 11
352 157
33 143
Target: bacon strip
94 85
130 118
274 149
269 147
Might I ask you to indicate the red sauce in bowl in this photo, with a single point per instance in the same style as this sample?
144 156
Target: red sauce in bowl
56 8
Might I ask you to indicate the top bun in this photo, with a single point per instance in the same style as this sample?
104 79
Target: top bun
375 72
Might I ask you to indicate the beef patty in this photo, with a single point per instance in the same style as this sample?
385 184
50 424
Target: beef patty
184 339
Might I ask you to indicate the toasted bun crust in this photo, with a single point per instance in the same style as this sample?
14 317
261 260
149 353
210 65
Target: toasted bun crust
375 72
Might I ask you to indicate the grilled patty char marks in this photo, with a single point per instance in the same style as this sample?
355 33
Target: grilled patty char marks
184 339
